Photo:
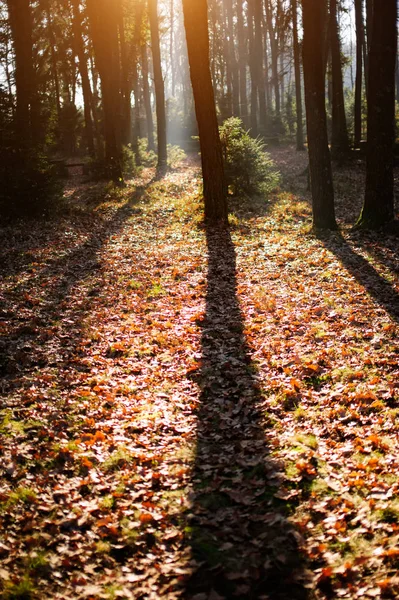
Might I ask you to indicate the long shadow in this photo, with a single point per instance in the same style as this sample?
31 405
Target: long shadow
383 248
241 540
22 350
364 273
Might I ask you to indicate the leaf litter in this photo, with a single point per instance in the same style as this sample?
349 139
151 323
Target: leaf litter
191 413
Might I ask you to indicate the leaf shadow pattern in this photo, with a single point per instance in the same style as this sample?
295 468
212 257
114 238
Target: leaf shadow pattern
242 541
364 273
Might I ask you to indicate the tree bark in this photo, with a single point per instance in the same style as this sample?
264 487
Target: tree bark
158 82
215 190
105 42
27 114
359 71
242 63
378 207
339 136
319 155
297 67
147 98
84 74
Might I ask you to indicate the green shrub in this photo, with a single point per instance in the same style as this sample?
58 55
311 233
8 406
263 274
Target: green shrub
175 155
129 168
148 157
249 169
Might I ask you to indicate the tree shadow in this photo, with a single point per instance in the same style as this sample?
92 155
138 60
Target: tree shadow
242 541
382 247
33 341
364 273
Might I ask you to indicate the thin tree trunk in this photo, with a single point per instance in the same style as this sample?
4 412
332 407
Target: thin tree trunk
215 190
339 137
84 74
359 71
252 71
54 68
158 82
319 154
297 67
126 105
242 61
147 98
233 60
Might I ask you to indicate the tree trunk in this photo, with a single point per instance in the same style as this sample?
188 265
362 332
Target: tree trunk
126 105
158 82
258 48
147 98
359 72
319 155
105 42
27 115
252 71
297 66
215 191
378 207
233 60
339 136
242 62
273 36
84 74
54 68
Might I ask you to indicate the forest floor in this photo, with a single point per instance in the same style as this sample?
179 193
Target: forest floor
192 413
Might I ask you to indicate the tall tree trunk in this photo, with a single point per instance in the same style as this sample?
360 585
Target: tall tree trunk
158 82
215 190
319 154
136 44
126 91
258 48
242 62
359 71
378 207
27 117
297 67
54 68
253 72
147 98
233 60
171 47
369 22
105 42
339 137
84 74
273 36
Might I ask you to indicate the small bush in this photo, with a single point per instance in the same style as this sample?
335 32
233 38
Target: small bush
175 155
148 157
248 168
129 168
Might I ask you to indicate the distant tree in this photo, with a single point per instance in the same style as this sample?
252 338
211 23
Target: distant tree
215 189
27 116
319 154
359 71
158 83
104 31
84 74
297 66
378 207
339 136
